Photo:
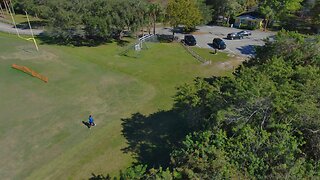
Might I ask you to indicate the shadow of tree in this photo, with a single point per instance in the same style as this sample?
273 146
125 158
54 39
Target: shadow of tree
74 40
166 38
247 50
34 24
122 42
183 30
152 138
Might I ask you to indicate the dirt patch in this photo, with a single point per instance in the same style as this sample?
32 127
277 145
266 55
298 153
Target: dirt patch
233 63
29 53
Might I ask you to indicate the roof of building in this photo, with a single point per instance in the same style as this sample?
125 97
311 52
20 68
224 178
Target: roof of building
251 15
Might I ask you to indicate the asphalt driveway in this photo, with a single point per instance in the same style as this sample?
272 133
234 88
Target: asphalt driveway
205 34
10 29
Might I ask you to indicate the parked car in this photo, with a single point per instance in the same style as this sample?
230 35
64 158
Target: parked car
190 40
245 33
234 36
218 43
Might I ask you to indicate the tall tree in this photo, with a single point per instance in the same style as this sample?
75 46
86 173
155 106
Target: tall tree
106 18
65 20
34 7
200 157
183 12
249 4
206 11
228 8
275 9
154 11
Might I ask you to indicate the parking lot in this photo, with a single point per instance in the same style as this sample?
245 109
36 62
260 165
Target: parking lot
243 47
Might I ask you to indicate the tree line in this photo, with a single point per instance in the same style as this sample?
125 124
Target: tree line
84 22
95 21
91 21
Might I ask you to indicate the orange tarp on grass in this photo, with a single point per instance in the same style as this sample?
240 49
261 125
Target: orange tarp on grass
31 72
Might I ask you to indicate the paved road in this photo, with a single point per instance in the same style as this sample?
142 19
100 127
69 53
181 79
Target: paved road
243 47
10 29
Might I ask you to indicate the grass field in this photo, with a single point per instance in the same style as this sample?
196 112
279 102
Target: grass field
41 134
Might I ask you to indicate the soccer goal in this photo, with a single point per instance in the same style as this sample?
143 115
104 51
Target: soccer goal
140 44
142 41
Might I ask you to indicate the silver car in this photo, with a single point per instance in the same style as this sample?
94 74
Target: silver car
245 33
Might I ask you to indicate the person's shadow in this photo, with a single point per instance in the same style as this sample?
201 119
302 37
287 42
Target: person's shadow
86 124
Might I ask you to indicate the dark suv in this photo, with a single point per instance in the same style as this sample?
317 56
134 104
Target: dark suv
218 43
190 40
234 36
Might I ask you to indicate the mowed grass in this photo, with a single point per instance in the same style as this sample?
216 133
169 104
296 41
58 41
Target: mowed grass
218 59
208 54
41 134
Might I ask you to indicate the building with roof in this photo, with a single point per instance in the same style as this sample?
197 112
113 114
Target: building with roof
249 20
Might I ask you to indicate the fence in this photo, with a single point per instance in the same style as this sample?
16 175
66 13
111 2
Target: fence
194 54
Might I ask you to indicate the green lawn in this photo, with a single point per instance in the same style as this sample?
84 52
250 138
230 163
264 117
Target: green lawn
41 134
219 59
208 54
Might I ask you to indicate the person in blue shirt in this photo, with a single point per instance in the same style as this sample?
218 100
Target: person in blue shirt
91 121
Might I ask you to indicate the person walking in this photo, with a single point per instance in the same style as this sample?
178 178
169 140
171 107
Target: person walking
91 121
